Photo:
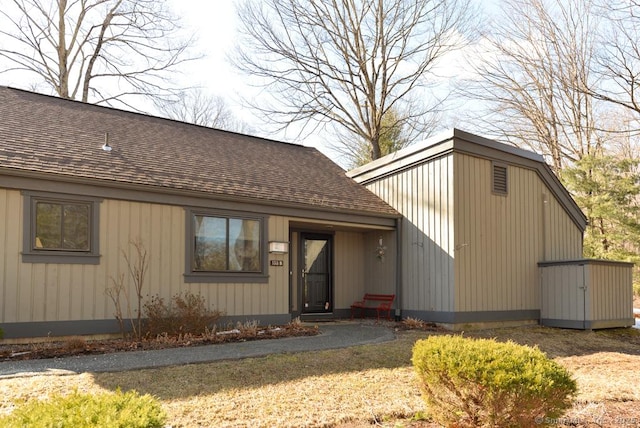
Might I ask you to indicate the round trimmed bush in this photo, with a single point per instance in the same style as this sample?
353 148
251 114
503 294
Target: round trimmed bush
481 382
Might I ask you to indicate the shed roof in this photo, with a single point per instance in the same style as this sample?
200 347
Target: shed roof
62 139
456 140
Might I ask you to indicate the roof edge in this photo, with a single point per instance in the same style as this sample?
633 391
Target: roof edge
456 140
160 190
414 151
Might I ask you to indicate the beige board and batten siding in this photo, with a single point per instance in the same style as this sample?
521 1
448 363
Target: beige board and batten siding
466 249
33 292
500 238
349 272
586 294
424 194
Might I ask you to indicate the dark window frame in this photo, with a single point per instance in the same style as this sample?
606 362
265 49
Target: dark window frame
32 254
194 276
499 187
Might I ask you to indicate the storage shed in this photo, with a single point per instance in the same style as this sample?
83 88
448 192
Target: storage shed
586 294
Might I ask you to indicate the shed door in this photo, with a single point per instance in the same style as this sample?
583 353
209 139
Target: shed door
316 273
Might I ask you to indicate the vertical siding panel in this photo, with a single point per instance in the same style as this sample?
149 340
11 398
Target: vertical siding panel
76 286
449 230
13 236
357 268
167 253
64 291
176 250
477 242
50 292
154 245
5 214
124 236
420 247
98 300
464 191
432 210
38 278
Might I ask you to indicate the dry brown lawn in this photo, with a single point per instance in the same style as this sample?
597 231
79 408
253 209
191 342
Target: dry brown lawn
354 387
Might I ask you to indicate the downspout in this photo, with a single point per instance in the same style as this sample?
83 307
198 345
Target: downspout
398 269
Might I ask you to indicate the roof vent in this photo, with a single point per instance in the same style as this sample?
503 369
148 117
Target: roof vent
106 147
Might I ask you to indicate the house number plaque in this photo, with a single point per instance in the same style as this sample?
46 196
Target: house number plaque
276 262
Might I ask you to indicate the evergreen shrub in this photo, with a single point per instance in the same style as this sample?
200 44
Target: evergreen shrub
78 410
481 382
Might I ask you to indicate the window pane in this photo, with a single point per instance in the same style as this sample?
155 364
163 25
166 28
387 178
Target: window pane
48 226
244 245
210 252
76 227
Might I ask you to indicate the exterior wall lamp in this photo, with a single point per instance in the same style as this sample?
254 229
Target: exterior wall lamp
278 247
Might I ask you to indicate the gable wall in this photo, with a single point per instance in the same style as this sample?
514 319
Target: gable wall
500 239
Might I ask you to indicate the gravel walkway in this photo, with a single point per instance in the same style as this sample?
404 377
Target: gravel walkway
332 336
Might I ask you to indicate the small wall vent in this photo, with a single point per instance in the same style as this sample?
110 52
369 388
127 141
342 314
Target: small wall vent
500 178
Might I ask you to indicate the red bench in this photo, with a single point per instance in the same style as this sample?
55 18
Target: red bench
379 302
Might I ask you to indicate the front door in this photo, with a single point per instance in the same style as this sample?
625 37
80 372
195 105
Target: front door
316 281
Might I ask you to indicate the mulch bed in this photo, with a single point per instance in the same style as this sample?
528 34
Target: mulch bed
79 346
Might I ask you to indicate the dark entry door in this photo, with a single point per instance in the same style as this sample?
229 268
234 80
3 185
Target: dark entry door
316 273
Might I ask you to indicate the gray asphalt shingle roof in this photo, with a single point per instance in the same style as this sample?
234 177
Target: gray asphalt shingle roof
49 135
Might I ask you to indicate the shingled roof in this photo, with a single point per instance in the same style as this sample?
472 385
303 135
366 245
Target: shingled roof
62 138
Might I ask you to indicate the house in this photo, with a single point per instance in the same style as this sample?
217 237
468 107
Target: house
263 230
461 229
489 234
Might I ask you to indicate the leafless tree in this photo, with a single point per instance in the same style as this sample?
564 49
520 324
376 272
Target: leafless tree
343 65
620 58
101 51
197 107
533 78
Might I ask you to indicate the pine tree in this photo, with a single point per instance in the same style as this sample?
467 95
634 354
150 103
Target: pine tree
608 190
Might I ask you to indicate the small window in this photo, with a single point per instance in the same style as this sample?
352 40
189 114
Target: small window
62 226
224 248
500 179
59 229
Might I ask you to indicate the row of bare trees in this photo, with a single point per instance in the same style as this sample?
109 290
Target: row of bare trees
361 69
112 52
549 73
560 77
